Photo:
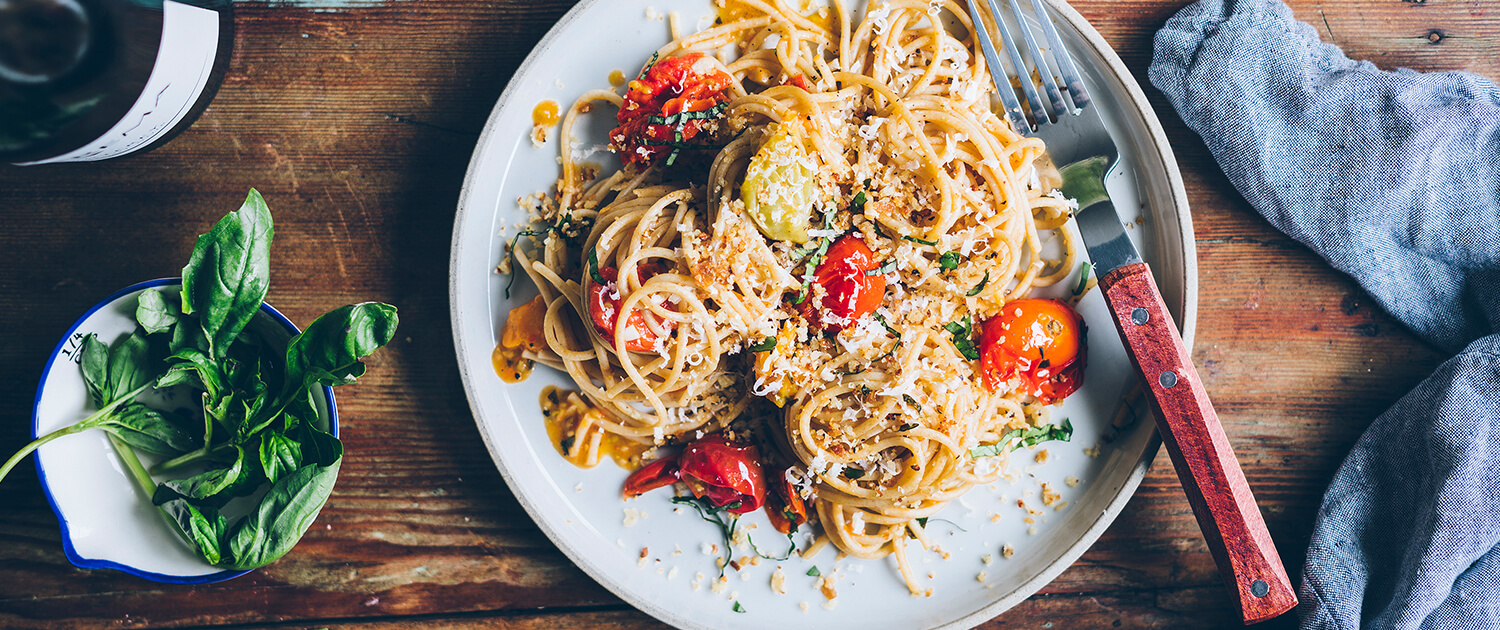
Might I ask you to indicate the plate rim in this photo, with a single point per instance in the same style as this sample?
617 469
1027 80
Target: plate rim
69 550
1188 277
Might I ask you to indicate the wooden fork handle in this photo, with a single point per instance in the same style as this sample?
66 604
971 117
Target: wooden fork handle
1210 474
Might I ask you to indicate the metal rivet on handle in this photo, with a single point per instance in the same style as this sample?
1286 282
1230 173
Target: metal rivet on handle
1140 316
1259 588
1168 378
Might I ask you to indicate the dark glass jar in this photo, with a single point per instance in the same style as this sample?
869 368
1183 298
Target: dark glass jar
89 80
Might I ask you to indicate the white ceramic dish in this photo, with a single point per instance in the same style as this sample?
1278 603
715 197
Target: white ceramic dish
581 510
106 522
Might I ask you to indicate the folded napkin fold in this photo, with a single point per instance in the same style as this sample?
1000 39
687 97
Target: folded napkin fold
1394 178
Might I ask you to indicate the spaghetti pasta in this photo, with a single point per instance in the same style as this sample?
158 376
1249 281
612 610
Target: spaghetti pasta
823 223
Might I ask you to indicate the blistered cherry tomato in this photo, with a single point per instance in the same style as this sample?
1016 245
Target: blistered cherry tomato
725 473
849 291
687 83
784 506
604 307
1041 342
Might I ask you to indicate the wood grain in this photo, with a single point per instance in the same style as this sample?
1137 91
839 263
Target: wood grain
357 123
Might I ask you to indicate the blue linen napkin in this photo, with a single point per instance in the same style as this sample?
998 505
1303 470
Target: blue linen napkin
1394 178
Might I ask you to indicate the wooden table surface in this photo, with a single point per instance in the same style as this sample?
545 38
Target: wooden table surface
357 118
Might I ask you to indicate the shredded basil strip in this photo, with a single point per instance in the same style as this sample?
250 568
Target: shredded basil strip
853 473
889 266
649 65
949 261
963 337
769 343
814 572
1083 278
908 426
881 318
594 267
514 263
980 287
680 118
858 203
1026 437
912 401
918 240
738 608
715 515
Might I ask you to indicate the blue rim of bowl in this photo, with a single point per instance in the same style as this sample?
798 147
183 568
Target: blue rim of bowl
67 538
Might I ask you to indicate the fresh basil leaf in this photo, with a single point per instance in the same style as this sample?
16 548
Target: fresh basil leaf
179 375
95 363
328 352
149 430
226 279
210 377
858 203
130 366
187 334
153 312
922 521
318 447
949 261
738 608
283 515
814 572
853 473
215 487
279 456
205 528
907 427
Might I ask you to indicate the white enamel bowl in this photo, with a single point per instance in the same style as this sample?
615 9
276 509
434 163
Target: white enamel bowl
106 522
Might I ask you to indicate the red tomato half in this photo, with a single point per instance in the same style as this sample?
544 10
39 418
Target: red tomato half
1039 341
849 292
687 83
712 467
604 307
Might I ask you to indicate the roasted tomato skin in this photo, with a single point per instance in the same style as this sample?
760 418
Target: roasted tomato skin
849 291
714 468
784 507
1041 342
724 472
604 308
685 83
657 474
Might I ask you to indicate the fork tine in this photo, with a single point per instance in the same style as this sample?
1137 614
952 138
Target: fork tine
997 72
1064 61
1038 110
1053 95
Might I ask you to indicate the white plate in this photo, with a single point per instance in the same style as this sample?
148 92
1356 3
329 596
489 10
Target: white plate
581 510
106 522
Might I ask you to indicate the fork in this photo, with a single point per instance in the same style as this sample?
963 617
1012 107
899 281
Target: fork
1079 143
